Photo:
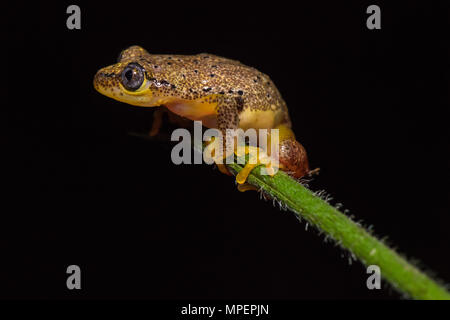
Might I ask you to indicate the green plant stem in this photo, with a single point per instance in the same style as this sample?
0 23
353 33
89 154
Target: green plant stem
350 235
401 274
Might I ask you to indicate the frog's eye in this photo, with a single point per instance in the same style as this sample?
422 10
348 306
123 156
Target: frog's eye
132 76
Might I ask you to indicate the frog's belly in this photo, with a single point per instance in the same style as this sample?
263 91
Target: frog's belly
260 119
192 110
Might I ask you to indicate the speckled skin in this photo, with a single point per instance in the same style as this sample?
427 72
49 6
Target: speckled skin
222 93
230 85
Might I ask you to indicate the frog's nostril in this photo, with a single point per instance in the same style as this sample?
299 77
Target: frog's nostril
98 76
100 80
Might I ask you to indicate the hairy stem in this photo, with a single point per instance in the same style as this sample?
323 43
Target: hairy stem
403 276
400 273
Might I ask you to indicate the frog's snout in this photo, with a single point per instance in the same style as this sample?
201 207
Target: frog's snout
105 82
125 83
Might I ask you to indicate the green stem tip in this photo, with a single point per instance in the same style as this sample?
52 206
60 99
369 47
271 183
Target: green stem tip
401 274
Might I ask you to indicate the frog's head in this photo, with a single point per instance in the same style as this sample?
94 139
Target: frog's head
128 80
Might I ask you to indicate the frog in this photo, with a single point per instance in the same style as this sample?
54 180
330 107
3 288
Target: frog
222 93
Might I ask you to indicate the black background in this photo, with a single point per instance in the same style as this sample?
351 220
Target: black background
370 106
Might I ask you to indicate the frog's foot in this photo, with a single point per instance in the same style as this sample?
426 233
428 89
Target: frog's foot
211 154
256 157
314 172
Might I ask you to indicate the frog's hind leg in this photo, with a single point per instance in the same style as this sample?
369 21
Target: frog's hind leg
258 156
292 157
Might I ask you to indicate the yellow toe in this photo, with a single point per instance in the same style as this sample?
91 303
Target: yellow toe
246 187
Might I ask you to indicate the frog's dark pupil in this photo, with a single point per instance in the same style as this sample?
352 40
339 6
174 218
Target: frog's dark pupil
129 75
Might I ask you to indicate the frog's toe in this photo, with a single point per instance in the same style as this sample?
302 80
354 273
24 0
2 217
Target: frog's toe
246 187
242 176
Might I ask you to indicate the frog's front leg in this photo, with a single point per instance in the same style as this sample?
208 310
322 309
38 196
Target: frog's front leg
172 118
157 121
227 115
220 150
216 151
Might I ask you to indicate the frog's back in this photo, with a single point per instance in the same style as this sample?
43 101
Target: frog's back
200 75
184 82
